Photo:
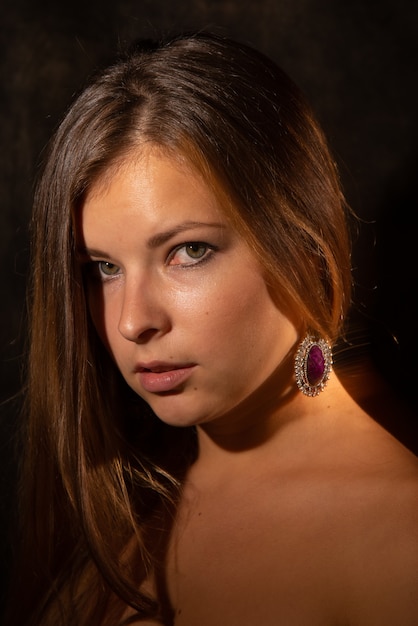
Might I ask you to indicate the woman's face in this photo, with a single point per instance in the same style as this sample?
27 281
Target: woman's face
176 295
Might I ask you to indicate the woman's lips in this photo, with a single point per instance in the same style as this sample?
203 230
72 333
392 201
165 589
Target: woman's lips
163 378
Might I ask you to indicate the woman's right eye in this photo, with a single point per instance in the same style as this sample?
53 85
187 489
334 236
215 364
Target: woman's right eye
101 270
108 269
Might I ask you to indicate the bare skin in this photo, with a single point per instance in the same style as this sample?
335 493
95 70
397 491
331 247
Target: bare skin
315 525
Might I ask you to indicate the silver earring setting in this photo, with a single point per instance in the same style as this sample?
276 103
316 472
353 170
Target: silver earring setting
313 365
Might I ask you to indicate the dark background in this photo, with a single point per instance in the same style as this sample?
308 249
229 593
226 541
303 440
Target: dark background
356 61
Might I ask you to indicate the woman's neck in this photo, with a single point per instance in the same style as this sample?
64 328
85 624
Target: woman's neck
276 424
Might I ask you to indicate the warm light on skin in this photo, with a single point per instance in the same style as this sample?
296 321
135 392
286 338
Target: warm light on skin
170 282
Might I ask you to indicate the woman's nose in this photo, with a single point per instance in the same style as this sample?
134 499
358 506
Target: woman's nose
142 313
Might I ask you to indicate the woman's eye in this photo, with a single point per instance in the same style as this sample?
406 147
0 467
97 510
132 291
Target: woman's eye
99 271
108 269
190 253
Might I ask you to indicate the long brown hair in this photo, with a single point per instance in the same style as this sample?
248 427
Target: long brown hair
97 477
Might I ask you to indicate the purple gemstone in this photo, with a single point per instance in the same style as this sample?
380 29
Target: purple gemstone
315 366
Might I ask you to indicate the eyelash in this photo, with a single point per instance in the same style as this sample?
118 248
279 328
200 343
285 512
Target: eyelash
92 271
206 256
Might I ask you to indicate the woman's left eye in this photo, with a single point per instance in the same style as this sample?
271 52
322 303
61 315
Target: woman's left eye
190 253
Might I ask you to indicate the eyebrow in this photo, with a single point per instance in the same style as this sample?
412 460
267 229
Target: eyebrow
156 240
163 237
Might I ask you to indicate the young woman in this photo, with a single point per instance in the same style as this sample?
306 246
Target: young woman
190 457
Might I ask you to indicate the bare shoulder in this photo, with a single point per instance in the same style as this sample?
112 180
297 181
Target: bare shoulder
362 488
383 553
379 496
377 469
391 485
